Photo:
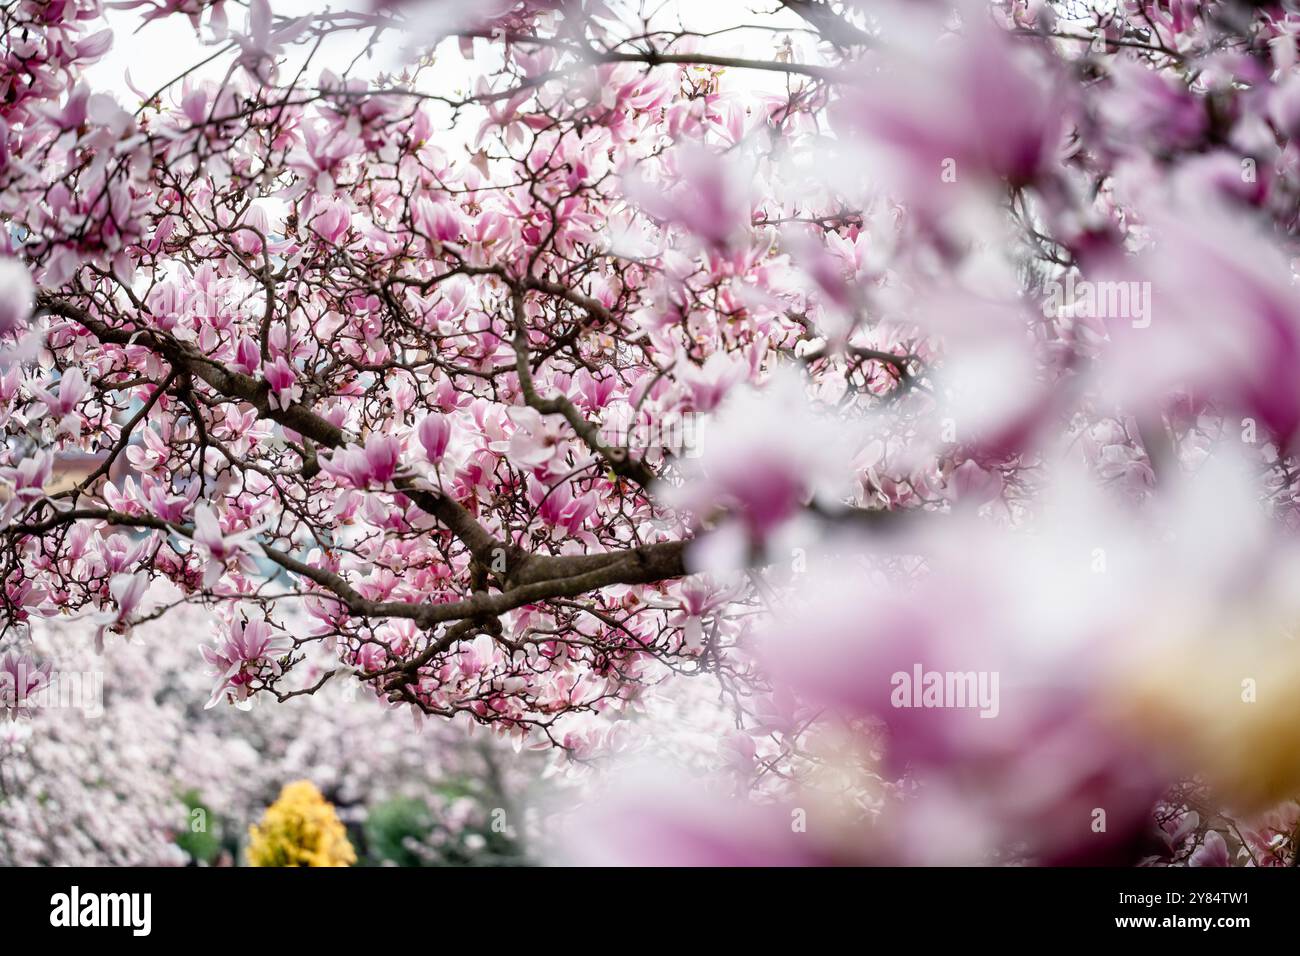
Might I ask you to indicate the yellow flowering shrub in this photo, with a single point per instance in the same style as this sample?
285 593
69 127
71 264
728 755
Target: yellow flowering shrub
299 829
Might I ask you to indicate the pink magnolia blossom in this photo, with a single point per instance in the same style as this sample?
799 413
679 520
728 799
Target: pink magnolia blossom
262 42
558 507
285 389
72 389
539 442
435 432
376 462
248 358
331 220
126 590
248 650
218 547
28 480
438 221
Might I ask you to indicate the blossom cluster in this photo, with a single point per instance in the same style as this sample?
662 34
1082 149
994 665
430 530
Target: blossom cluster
989 309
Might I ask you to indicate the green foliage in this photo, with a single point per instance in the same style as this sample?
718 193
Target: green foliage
406 832
389 825
200 835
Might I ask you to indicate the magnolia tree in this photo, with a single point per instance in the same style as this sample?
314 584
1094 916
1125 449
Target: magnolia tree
921 375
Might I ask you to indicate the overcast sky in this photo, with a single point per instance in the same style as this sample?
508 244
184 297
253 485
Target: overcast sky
163 49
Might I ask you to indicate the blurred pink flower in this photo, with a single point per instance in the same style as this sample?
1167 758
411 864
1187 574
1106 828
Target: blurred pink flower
20 677
1213 851
943 98
763 456
1223 323
647 822
707 195
16 295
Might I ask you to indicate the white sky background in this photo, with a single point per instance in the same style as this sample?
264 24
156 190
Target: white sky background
165 48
